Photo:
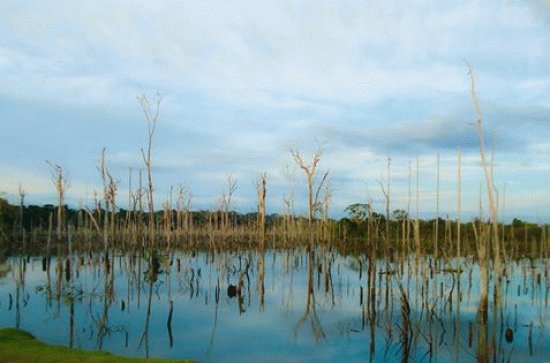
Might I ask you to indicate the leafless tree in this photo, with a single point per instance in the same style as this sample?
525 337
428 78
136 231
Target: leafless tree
261 187
226 199
310 171
491 190
60 181
387 195
110 187
22 195
150 110
487 169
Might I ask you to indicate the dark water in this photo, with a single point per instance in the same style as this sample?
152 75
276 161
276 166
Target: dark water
211 307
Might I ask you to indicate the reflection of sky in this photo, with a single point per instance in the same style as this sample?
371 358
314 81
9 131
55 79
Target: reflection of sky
270 334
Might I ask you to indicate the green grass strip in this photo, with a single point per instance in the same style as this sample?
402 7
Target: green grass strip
18 346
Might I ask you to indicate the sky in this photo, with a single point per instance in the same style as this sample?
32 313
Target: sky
243 83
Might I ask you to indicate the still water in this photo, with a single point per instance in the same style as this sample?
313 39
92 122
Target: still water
248 306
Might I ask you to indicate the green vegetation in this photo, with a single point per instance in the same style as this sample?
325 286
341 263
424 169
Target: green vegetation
140 231
19 346
135 224
196 229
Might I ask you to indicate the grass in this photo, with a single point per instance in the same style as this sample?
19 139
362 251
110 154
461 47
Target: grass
19 346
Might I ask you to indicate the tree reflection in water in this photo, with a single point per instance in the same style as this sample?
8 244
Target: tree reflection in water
202 305
311 310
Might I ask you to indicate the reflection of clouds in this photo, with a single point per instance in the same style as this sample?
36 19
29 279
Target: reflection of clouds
268 332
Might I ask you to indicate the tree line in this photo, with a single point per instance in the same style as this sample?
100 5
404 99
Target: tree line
362 224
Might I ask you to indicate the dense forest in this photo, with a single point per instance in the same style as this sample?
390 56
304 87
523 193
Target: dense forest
363 227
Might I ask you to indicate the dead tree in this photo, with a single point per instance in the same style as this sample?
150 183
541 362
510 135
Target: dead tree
387 194
261 187
110 186
488 173
22 195
226 199
59 180
310 171
181 215
151 113
325 204
484 243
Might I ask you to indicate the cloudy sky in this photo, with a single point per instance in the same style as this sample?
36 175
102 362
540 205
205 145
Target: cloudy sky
245 82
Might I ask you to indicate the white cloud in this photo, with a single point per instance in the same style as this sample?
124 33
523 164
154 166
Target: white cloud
40 184
541 148
537 84
246 81
326 51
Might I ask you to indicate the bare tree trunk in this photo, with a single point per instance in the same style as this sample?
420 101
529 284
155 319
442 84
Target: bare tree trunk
409 209
103 172
417 217
226 202
459 205
168 220
387 193
436 236
61 184
21 207
139 224
288 200
189 218
110 187
310 171
181 216
483 250
262 191
458 246
326 225
151 113
488 174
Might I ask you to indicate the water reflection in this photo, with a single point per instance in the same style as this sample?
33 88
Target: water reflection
310 305
310 313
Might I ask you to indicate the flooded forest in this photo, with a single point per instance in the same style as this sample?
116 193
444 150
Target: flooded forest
149 278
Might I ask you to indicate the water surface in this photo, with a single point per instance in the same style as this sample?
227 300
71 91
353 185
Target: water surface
248 306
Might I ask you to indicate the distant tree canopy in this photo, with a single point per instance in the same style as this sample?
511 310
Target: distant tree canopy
358 212
361 219
8 215
361 212
399 215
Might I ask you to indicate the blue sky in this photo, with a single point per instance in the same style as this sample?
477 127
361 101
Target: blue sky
244 82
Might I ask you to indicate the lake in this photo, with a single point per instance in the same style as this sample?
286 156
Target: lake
247 306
